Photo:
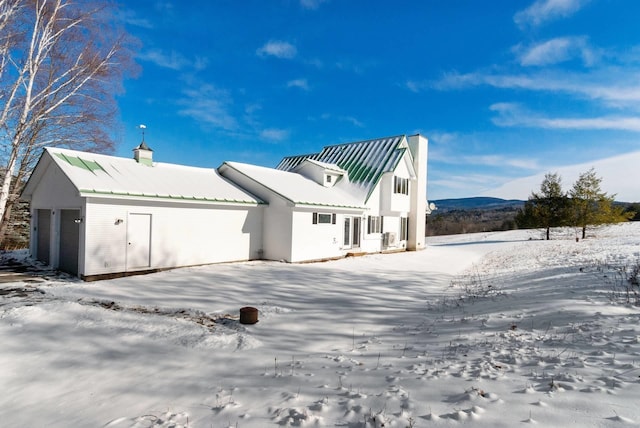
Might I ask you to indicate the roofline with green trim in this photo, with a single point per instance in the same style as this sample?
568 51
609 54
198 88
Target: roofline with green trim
127 195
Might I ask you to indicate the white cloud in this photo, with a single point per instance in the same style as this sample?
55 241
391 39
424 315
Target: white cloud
513 115
415 86
298 83
461 186
131 18
311 4
274 134
542 11
172 60
439 137
450 148
501 161
279 49
200 63
164 6
555 51
613 86
209 106
454 80
349 119
352 120
620 176
315 62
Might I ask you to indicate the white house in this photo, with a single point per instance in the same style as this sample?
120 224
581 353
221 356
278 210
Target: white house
94 215
97 216
367 196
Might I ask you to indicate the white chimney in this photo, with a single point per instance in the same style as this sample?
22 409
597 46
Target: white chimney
143 154
418 146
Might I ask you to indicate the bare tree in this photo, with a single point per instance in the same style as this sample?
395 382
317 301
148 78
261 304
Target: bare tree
61 63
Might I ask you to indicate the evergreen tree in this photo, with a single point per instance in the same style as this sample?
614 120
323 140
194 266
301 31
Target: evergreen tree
591 206
546 209
632 211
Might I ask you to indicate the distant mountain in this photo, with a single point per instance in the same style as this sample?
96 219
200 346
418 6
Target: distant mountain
480 202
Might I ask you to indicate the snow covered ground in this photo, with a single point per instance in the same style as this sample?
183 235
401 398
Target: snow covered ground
489 330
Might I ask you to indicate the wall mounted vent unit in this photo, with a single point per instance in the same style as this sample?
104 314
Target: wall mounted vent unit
389 239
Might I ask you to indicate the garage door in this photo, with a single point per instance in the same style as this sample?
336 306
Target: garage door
43 233
69 241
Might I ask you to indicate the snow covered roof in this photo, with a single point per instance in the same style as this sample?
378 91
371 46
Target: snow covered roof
99 175
295 187
365 161
327 166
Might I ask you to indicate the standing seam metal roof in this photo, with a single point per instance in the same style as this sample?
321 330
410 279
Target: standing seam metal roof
106 176
365 161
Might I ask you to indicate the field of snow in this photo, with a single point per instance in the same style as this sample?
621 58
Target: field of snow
488 330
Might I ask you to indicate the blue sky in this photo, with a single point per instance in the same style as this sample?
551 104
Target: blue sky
503 89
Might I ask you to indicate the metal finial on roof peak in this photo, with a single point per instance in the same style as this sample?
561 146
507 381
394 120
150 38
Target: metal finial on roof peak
142 128
143 144
143 153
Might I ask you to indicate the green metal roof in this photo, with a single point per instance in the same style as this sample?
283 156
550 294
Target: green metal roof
101 176
77 161
365 161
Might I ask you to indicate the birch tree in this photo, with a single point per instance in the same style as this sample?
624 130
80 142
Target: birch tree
61 63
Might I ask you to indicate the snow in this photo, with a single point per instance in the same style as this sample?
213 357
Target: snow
293 186
492 329
124 177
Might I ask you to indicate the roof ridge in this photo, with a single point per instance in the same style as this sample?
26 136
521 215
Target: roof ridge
367 140
306 155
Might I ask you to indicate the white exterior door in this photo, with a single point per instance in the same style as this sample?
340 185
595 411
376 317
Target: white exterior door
351 237
346 240
138 241
355 233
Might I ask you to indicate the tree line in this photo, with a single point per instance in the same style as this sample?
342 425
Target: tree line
584 205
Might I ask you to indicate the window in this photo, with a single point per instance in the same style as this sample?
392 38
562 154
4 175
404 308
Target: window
404 228
347 232
323 218
328 179
374 224
400 185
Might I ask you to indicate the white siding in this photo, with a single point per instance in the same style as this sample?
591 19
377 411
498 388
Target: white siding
106 239
372 242
277 231
392 203
54 192
276 224
315 241
180 235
